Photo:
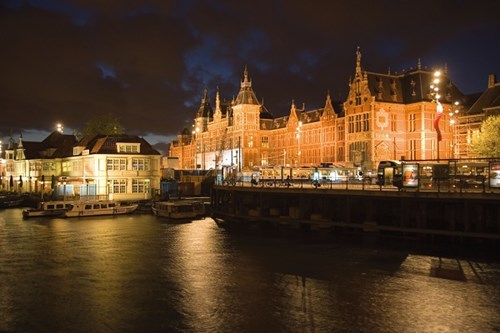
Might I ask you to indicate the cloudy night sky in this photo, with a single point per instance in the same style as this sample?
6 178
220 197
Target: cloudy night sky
147 62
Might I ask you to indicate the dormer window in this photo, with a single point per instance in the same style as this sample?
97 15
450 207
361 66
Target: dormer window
128 147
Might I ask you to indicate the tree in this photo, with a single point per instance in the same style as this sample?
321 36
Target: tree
487 143
106 124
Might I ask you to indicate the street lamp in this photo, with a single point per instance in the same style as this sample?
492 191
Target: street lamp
59 128
453 123
195 132
439 107
298 131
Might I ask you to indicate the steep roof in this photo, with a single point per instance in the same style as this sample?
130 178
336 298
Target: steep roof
410 87
59 145
106 144
246 94
33 150
56 145
488 102
205 109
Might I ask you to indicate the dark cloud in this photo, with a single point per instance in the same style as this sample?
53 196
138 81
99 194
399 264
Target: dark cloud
149 61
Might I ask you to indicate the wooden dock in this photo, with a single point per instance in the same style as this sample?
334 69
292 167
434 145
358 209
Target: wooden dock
448 214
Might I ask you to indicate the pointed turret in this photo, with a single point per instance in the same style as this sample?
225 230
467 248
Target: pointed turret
217 100
294 112
358 62
205 110
20 144
359 85
246 94
12 144
328 111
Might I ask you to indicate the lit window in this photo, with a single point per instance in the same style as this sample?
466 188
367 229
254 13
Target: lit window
140 164
265 142
140 185
117 164
118 186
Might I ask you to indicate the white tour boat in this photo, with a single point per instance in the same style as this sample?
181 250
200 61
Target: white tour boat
181 209
96 208
49 209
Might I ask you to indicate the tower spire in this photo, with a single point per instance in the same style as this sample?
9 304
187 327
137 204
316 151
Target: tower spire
205 96
358 61
246 83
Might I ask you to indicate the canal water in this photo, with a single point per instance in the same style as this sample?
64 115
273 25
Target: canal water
139 273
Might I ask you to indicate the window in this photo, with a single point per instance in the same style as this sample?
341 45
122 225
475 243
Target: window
140 185
340 133
366 122
128 147
34 166
117 164
394 123
359 123
140 164
411 123
49 166
118 186
250 141
67 166
413 149
265 142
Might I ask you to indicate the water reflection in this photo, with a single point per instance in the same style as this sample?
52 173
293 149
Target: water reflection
141 274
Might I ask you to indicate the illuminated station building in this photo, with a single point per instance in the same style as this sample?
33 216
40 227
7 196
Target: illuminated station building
385 117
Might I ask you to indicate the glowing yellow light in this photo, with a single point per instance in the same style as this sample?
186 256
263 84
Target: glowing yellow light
437 73
439 108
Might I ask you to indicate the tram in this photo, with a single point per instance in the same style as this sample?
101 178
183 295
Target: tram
454 173
323 173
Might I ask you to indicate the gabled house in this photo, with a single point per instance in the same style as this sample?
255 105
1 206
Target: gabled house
121 167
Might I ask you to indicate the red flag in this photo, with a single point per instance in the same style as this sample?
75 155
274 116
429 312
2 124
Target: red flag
436 125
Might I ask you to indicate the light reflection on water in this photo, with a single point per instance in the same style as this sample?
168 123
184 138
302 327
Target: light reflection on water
139 273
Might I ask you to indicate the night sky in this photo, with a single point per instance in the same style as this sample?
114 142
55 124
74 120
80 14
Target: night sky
148 62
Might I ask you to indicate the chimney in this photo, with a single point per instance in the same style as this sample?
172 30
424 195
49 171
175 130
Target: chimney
492 80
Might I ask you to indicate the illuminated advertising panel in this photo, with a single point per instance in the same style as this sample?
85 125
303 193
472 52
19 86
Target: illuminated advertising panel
410 175
495 174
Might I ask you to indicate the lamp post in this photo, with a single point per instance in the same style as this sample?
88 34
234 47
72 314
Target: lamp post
298 131
453 124
64 190
195 132
439 107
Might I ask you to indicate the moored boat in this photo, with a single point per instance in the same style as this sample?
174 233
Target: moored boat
97 208
10 201
49 209
179 209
